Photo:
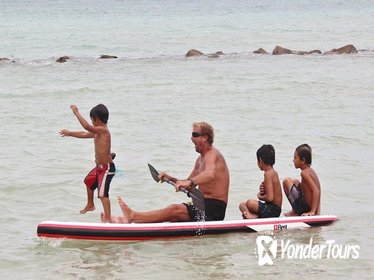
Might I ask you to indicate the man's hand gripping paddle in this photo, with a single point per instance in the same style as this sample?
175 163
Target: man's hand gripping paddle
196 195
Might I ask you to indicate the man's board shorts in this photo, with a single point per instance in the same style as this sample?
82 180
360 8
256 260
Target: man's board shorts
215 210
99 178
295 196
268 210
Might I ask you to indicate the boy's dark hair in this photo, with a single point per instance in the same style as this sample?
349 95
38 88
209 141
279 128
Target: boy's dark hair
100 112
304 152
267 154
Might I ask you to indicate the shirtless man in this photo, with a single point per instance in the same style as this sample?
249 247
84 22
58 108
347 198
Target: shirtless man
210 174
304 197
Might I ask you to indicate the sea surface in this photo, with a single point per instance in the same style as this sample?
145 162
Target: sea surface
154 93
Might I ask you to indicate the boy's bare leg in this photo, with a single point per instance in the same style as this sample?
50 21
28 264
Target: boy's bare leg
244 209
287 185
90 206
106 206
252 206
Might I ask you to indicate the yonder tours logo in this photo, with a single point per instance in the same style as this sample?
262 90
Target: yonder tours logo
267 250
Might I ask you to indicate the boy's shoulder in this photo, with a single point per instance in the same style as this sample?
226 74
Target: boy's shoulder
271 172
104 128
309 171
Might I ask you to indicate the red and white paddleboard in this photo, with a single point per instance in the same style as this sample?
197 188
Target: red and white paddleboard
118 232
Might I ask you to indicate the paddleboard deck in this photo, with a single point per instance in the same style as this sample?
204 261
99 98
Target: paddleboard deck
123 232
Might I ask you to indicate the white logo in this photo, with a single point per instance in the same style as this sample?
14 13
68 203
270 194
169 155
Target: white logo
267 250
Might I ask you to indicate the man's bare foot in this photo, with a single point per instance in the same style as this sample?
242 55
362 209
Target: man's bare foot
87 209
127 212
290 213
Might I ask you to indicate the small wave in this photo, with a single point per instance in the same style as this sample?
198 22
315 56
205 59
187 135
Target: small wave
49 242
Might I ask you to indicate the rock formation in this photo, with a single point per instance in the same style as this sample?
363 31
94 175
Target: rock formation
260 51
193 52
106 56
348 49
63 59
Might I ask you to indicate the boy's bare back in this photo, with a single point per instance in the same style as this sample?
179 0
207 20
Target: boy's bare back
309 183
272 183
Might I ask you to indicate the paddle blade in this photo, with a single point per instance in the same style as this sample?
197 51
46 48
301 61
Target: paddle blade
197 198
154 173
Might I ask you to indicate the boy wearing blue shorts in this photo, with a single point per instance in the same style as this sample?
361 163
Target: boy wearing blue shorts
270 192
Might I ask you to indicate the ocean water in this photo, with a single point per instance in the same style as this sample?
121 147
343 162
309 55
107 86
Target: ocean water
154 94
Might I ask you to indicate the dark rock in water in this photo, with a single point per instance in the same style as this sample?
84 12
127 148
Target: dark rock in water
300 52
105 56
216 54
193 52
315 51
4 59
306 52
260 51
348 49
63 59
280 50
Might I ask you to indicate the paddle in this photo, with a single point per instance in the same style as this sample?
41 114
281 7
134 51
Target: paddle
196 195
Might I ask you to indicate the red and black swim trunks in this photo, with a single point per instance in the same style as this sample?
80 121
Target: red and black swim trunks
100 178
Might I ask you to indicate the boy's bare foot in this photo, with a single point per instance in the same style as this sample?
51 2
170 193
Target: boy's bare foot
245 215
87 209
127 212
104 220
249 215
290 213
117 220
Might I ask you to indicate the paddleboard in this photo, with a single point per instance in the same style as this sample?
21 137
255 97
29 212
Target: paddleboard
146 231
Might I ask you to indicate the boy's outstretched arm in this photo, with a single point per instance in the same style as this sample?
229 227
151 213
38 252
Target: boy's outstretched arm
76 134
84 123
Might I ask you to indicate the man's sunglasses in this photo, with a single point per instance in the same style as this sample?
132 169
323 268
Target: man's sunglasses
196 134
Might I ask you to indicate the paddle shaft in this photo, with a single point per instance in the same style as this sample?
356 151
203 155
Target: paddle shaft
180 188
196 195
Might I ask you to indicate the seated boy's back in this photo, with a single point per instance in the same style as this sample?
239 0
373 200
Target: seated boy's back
310 184
275 187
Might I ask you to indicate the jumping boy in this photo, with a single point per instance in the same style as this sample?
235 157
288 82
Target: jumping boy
270 191
304 197
101 176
